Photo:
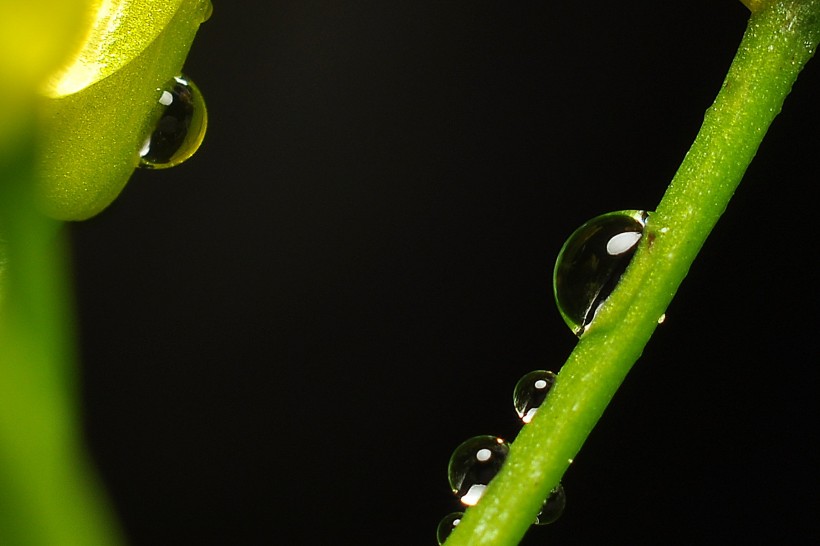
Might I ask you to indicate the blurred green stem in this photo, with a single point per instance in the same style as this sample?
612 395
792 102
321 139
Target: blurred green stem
48 495
780 38
69 153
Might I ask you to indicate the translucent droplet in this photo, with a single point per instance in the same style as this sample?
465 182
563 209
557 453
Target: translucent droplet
209 10
553 507
592 261
446 526
530 392
180 126
473 464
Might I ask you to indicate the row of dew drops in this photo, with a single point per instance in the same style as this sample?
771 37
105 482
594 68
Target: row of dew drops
587 271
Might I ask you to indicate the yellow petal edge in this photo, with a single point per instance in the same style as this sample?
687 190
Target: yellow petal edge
36 37
120 30
97 110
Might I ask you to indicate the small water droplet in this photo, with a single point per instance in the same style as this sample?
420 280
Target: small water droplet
592 261
209 10
473 464
446 526
662 318
553 507
530 392
180 126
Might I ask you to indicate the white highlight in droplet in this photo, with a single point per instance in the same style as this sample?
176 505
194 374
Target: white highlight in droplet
473 495
622 242
527 417
146 147
483 455
540 384
166 98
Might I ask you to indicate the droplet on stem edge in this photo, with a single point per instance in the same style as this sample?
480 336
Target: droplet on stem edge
530 392
473 464
446 526
553 507
180 126
591 263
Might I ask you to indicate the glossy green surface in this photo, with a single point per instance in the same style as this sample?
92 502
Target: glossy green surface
92 137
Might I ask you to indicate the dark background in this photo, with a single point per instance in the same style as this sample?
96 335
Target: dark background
284 338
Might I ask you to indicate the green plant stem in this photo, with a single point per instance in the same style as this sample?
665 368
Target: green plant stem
48 493
780 38
71 159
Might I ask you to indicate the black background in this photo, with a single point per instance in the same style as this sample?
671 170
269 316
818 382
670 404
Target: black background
284 338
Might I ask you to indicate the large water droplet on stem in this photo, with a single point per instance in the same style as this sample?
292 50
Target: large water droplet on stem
592 261
473 464
530 392
180 127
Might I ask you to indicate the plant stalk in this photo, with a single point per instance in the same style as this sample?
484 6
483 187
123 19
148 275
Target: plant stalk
780 38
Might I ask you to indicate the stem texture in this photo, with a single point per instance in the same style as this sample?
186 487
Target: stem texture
780 38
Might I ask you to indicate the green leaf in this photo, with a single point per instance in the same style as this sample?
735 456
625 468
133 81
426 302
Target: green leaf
61 153
98 111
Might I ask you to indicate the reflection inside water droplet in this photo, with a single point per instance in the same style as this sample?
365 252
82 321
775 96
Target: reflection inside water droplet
530 392
592 261
553 507
622 242
473 464
446 526
180 126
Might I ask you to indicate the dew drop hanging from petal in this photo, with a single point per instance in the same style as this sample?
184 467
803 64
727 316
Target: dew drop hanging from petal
473 464
591 263
180 126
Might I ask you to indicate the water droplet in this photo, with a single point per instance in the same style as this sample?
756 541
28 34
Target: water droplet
662 318
209 10
180 127
530 392
473 464
553 507
446 526
592 261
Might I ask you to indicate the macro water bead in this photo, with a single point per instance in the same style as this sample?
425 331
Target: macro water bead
553 507
530 392
473 464
181 123
591 263
446 526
